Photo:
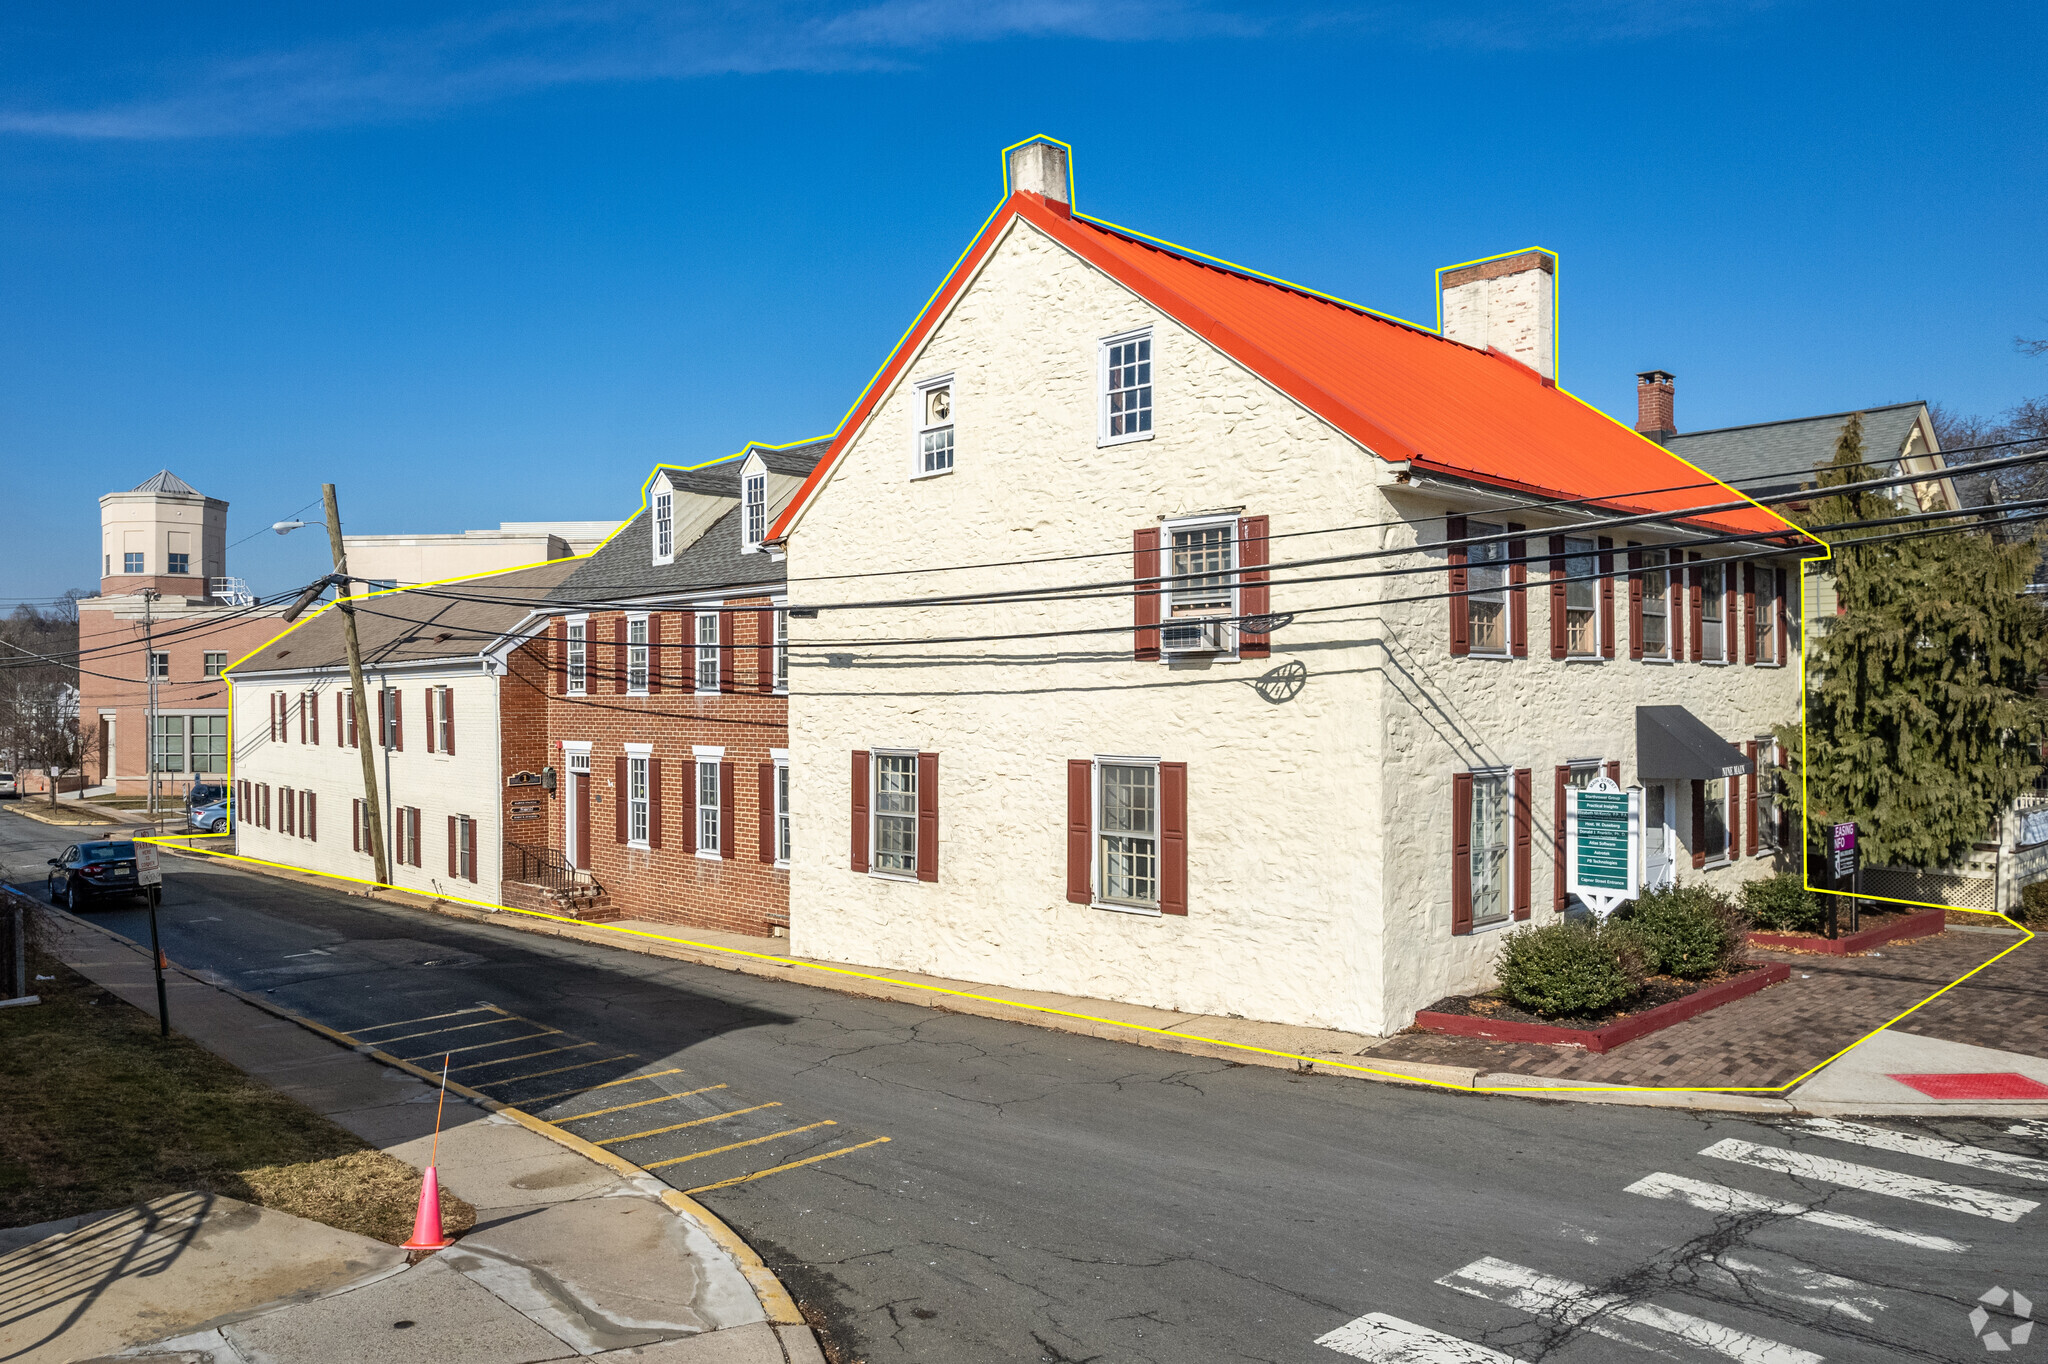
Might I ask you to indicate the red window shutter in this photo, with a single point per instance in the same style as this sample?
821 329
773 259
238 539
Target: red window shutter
561 668
356 819
1699 825
619 656
1461 853
448 718
764 791
454 848
1749 612
313 816
1695 594
1560 779
1635 600
304 706
1606 596
860 809
727 818
313 714
655 653
1735 785
1731 622
725 651
273 717
764 653
1173 838
654 803
341 719
414 821
1145 565
1525 829
430 704
619 798
1778 624
1080 829
469 837
1518 593
1255 598
1749 803
1459 581
1557 636
927 816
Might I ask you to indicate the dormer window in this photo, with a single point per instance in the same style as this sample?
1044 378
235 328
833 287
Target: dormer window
664 526
934 427
754 495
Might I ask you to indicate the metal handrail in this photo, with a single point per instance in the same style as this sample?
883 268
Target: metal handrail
547 868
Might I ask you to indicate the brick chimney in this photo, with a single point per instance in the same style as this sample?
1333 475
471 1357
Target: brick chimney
1654 405
1040 167
1508 304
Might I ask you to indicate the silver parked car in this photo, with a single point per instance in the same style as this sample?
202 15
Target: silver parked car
210 818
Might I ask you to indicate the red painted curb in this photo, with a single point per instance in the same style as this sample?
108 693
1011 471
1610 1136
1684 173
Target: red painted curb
1918 926
1614 1034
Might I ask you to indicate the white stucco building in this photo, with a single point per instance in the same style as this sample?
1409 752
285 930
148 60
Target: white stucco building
1254 637
434 666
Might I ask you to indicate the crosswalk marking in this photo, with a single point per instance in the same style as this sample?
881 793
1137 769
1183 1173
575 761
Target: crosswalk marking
1929 1148
2028 1127
1389 1340
1579 1305
1717 1198
1932 1192
1779 1276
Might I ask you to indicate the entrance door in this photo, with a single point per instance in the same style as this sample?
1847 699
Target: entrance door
576 810
1660 811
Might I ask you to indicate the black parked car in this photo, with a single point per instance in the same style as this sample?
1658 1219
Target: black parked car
205 793
89 871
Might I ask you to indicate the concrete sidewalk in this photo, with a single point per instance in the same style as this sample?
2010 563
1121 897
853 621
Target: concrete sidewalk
576 1253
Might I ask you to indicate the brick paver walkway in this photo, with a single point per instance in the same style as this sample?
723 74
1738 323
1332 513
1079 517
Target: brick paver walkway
1778 1033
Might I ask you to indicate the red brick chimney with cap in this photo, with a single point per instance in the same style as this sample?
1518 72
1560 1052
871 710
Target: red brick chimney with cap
1654 405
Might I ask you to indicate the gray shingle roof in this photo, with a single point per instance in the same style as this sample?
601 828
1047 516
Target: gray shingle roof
1772 457
165 482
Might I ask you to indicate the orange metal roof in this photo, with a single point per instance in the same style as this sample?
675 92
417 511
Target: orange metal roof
1402 391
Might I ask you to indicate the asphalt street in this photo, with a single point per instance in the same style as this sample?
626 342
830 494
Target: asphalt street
945 1188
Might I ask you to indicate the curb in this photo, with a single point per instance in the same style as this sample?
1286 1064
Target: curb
778 1308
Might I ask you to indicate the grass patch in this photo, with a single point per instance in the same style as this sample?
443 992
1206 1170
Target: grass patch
99 1112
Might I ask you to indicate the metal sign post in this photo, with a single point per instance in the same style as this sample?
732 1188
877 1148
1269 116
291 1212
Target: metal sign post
1603 839
149 874
1846 869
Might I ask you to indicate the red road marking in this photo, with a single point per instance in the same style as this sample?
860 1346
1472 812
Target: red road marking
1981 1085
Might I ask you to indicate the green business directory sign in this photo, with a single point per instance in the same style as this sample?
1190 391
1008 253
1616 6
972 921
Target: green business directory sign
1603 845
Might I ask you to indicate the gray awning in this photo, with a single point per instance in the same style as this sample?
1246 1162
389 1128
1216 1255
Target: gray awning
1673 742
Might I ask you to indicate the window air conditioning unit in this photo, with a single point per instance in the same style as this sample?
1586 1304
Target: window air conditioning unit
1195 637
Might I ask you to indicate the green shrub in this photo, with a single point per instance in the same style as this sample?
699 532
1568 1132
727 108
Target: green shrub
1782 904
2033 907
1690 929
1560 970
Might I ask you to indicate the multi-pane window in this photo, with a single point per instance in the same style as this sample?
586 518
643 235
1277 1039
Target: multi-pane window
1203 585
707 651
1656 827
441 702
1656 605
896 813
1763 621
216 664
636 653
465 847
782 651
709 815
180 564
131 563
1581 598
209 743
1492 874
782 829
159 665
1486 603
1127 388
1127 833
636 798
577 665
1713 638
1716 818
167 747
935 429
1766 780
754 495
664 525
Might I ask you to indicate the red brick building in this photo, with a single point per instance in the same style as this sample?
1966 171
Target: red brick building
645 728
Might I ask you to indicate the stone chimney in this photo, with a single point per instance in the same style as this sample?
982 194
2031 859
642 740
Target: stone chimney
1654 409
1508 304
1040 167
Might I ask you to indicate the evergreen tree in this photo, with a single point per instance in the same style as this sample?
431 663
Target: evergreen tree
1923 709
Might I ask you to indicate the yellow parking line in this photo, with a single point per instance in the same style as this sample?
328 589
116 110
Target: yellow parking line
720 1150
372 1027
778 1169
592 1089
513 1080
677 1127
459 1027
503 1041
522 1056
620 1108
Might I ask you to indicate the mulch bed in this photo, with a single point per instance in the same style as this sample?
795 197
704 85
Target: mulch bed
1657 990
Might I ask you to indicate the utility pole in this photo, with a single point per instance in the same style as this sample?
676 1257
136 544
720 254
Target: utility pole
149 738
360 698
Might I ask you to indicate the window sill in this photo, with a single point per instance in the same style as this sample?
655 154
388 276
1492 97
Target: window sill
1587 658
1766 665
702 692
1104 442
639 845
929 473
892 876
782 865
704 856
1142 911
1490 656
1659 661
641 692
1712 662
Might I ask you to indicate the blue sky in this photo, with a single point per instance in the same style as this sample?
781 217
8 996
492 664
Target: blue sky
489 262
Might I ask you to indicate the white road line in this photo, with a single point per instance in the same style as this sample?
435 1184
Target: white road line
1581 1306
1930 1148
1870 1179
1780 1276
2028 1127
1390 1340
1717 1198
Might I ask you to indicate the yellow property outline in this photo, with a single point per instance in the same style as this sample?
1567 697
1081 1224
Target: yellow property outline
854 973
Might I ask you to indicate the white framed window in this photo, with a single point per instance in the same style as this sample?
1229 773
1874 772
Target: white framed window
465 847
782 649
209 749
1201 597
577 666
934 427
754 499
216 664
180 564
159 665
895 814
1493 889
1763 620
781 834
664 525
1766 790
636 655
707 651
1713 607
441 702
1656 603
1486 581
131 563
167 747
1716 820
710 808
636 795
1581 598
1127 833
1126 387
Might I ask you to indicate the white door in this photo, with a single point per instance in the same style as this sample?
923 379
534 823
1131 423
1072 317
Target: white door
1660 810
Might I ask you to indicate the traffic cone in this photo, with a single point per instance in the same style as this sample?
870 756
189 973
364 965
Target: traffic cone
426 1223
